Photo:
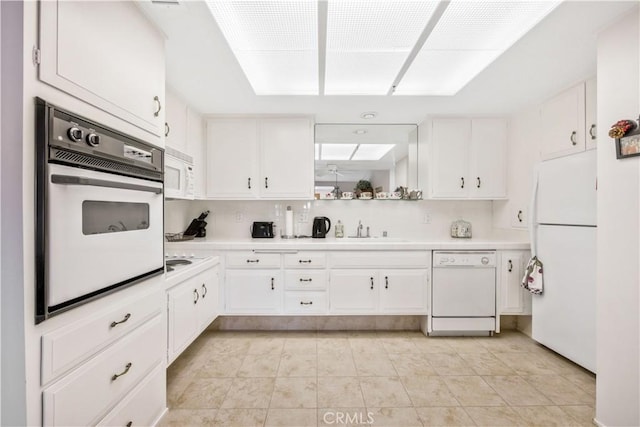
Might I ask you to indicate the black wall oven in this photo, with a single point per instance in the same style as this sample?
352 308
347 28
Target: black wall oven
99 210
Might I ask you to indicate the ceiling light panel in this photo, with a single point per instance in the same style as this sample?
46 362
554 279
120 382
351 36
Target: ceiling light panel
469 36
337 151
275 42
371 151
368 42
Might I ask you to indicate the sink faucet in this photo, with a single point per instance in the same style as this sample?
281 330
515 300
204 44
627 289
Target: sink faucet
368 235
359 230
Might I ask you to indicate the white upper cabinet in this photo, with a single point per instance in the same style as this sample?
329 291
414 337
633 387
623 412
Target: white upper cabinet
196 148
175 126
121 72
563 123
267 158
468 159
591 102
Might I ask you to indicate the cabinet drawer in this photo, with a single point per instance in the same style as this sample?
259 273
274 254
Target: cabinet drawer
84 396
143 405
305 302
305 280
380 259
305 260
67 347
252 260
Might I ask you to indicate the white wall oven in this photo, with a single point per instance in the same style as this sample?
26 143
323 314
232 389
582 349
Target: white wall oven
178 175
99 210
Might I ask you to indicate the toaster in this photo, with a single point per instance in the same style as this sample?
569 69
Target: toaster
262 230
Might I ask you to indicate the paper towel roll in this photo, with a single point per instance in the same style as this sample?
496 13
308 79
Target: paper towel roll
288 222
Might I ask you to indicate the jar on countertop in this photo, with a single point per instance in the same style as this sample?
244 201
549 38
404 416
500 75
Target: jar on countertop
339 229
461 229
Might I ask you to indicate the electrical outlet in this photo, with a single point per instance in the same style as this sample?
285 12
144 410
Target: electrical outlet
239 217
426 219
303 217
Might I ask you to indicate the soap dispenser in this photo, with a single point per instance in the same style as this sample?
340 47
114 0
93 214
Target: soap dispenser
339 230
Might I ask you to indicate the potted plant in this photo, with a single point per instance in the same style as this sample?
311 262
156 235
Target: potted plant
363 186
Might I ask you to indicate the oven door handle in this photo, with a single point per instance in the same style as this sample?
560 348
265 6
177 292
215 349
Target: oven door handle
80 180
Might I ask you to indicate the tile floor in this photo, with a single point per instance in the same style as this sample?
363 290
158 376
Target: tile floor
375 378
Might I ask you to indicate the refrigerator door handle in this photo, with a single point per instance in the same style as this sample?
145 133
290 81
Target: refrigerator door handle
532 212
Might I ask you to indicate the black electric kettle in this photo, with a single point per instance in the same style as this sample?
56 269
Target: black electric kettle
321 226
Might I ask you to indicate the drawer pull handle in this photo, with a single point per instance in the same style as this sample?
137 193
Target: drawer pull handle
266 182
167 129
249 183
510 266
195 291
126 317
304 261
519 216
305 280
479 182
573 138
157 112
306 303
204 290
253 260
129 424
461 182
371 282
126 369
386 282
272 287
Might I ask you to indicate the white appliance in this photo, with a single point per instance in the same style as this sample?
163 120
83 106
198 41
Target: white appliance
99 210
463 292
178 175
563 236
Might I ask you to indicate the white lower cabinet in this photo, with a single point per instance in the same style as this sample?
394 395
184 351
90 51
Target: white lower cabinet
403 291
353 291
84 396
513 298
253 291
192 306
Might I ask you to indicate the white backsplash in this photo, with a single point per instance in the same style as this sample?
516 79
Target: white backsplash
401 219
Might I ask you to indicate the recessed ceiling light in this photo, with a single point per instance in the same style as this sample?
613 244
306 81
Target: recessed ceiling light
360 131
369 115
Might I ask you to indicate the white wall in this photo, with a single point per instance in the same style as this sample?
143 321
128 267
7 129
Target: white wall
11 272
618 332
402 219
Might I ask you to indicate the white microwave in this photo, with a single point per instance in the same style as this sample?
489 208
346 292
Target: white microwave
178 175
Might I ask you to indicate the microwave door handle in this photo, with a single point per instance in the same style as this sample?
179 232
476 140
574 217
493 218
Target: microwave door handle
80 180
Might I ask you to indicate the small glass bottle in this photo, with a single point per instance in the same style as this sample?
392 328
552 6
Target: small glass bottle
339 229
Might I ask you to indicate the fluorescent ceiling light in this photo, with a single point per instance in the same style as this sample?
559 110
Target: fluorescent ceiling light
469 36
275 42
358 47
337 151
371 151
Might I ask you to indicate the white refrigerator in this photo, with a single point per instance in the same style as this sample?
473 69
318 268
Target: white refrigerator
563 236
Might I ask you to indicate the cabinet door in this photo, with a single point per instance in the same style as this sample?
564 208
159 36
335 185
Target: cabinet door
286 158
513 298
591 103
253 291
403 291
450 158
175 130
121 72
208 287
232 153
563 124
488 159
353 291
183 317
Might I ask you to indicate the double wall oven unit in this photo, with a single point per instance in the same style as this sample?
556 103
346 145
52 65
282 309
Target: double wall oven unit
99 210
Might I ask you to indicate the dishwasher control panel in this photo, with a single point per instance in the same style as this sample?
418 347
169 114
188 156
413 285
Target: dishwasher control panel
464 259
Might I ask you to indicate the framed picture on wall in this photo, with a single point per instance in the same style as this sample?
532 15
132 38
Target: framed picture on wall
628 145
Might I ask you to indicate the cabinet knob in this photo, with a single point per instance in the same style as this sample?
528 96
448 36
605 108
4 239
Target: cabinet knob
167 129
204 290
519 216
371 282
197 295
249 183
126 317
479 182
592 132
386 282
126 369
157 112
266 182
461 182
573 138
272 287
510 268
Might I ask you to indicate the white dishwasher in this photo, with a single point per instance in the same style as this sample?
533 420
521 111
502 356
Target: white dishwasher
463 292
